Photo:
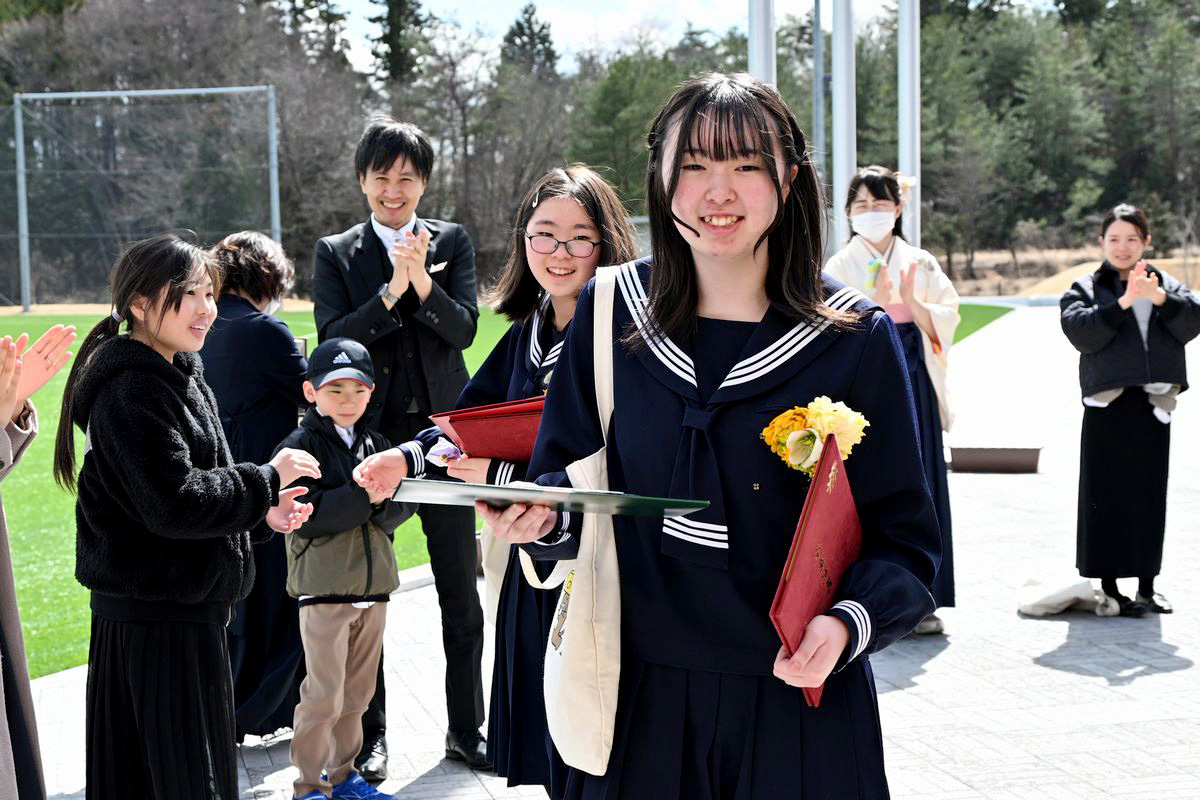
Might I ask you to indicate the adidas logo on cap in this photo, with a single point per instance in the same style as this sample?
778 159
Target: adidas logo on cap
341 358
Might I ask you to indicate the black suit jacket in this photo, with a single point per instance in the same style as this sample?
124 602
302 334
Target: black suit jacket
348 271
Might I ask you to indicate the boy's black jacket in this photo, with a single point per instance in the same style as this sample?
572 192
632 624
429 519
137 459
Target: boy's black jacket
163 513
339 504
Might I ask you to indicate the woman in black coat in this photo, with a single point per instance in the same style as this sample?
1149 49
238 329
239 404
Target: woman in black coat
256 371
1129 322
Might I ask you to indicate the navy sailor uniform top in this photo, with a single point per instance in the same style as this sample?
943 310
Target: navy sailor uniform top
520 366
696 591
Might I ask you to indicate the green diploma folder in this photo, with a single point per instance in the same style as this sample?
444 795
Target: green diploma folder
455 493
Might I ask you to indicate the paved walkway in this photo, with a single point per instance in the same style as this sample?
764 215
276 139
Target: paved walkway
1002 707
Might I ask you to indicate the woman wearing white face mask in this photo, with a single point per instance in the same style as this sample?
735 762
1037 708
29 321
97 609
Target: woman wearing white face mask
256 373
911 287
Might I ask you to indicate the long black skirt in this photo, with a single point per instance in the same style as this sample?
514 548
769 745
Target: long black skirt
159 712
1123 455
518 739
933 455
690 735
265 651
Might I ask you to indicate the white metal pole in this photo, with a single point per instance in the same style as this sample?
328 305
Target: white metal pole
22 206
273 160
845 144
818 89
909 94
762 40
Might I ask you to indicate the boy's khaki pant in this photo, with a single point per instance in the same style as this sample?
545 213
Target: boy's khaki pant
341 651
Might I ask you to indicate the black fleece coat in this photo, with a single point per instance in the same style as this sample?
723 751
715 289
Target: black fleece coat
163 512
1111 352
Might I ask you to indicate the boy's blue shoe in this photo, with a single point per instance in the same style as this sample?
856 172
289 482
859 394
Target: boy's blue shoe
355 788
314 795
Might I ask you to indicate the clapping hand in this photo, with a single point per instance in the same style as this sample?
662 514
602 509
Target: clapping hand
292 464
381 473
908 282
1142 285
408 264
10 380
824 640
883 287
44 358
289 514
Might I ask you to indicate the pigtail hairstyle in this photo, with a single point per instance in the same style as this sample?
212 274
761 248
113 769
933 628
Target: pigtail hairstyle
160 270
517 293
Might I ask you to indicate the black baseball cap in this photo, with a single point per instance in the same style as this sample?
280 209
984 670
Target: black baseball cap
338 359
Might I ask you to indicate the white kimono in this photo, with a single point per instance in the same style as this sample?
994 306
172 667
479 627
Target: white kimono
932 287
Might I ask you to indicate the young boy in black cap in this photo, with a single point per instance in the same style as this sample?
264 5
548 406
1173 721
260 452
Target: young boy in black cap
341 568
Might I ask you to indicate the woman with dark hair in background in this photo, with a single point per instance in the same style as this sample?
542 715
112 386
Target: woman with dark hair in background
256 372
1129 322
908 283
729 324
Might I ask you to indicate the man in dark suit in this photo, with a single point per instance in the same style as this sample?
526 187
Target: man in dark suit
405 288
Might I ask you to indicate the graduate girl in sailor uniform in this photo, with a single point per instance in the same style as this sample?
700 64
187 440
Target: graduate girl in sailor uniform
920 299
570 222
726 326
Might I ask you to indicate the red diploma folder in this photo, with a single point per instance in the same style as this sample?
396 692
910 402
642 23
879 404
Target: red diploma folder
827 540
503 430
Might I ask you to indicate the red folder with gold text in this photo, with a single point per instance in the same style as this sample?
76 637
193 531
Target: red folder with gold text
827 541
502 430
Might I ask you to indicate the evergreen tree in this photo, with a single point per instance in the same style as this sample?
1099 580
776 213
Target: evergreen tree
528 43
400 42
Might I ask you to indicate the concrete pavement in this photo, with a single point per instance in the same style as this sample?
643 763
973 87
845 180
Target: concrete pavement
1002 707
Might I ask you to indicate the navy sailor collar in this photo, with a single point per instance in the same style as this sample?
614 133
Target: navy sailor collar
778 348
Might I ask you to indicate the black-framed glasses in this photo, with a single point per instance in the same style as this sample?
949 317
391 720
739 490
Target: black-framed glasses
546 244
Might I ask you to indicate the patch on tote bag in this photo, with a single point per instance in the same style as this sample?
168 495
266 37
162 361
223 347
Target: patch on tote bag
563 601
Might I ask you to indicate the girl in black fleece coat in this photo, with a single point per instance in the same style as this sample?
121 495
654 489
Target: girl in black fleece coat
162 524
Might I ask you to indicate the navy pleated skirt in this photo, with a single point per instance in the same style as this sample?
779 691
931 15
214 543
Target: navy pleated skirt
1123 459
687 734
518 740
265 652
933 455
159 712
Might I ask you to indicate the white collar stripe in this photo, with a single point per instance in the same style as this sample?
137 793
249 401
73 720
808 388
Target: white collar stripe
785 347
691 523
535 349
712 537
695 540
667 352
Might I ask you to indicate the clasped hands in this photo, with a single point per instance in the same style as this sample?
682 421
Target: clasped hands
408 255
1142 285
884 285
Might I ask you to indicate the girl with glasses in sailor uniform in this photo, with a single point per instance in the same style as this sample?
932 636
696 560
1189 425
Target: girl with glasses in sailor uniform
727 325
569 222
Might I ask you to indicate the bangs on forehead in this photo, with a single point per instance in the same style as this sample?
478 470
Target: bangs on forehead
726 127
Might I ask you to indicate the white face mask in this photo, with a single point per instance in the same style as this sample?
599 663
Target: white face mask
874 226
274 306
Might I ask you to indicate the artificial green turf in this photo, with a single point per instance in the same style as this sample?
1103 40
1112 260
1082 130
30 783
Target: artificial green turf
41 517
41 525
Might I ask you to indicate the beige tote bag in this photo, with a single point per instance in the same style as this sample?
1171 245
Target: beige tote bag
583 655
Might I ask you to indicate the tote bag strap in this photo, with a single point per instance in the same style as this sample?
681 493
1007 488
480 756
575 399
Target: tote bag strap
602 357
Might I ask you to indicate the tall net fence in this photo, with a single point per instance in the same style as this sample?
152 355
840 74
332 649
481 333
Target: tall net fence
101 172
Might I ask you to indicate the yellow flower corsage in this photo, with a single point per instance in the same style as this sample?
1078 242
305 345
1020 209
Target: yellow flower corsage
798 434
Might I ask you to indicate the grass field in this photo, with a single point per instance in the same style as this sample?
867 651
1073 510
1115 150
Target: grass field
40 516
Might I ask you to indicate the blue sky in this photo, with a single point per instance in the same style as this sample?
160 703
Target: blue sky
604 26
